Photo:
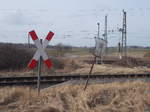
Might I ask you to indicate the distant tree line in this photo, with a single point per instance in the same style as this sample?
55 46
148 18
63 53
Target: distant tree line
17 57
14 57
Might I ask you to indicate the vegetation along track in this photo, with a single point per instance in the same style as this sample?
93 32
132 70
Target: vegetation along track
20 81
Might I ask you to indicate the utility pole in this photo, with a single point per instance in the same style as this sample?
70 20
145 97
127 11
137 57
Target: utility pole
123 30
124 35
98 30
98 36
105 28
105 35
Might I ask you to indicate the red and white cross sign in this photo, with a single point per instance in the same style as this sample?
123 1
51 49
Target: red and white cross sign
40 50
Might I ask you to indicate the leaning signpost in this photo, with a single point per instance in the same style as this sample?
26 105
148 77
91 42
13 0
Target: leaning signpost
100 48
40 54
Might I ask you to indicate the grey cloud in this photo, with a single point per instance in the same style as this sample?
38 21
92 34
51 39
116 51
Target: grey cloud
18 18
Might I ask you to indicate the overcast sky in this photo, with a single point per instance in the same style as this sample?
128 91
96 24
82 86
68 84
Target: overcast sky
74 22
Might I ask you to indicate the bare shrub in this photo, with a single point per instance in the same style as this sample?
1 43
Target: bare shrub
61 49
101 98
147 55
49 109
12 97
13 57
74 65
130 62
57 64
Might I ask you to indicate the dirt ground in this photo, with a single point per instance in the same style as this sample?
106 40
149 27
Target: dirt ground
112 97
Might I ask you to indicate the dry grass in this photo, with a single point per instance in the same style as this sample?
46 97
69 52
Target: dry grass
107 68
113 97
18 73
110 69
81 68
147 55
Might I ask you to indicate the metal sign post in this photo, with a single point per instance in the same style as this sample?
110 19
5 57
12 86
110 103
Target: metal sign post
100 47
88 78
39 72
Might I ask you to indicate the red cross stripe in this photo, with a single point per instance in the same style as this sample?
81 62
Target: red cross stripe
40 50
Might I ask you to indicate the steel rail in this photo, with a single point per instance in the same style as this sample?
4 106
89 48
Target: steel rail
32 80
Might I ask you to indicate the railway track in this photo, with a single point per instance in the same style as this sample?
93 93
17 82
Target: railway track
20 81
